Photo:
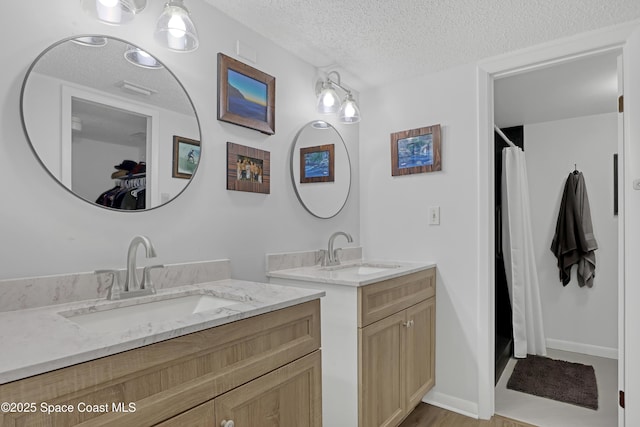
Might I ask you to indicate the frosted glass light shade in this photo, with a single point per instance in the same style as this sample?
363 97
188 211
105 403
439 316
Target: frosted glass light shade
174 28
328 100
349 111
117 11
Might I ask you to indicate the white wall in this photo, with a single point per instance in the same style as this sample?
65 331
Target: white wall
631 298
395 210
45 230
576 319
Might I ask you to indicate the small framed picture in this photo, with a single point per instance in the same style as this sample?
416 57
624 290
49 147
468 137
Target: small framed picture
317 164
186 155
246 96
248 169
416 151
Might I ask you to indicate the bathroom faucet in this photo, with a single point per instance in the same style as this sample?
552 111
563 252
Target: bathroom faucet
132 287
132 284
331 257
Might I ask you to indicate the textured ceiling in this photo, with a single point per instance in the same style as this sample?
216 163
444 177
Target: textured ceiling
384 40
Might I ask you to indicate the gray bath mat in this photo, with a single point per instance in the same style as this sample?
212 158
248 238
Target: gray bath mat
567 382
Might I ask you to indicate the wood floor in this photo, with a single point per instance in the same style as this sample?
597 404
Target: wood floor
432 416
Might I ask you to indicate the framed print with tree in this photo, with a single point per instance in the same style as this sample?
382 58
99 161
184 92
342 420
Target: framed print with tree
246 96
248 169
416 151
317 164
186 155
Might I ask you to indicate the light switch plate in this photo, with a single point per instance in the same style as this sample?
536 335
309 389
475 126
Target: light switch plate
434 215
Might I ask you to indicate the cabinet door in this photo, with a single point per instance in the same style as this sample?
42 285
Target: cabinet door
381 372
290 396
420 351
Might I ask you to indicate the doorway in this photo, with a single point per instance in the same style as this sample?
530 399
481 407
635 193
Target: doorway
565 128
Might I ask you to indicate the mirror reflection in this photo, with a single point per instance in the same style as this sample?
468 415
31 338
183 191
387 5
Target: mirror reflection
110 123
320 169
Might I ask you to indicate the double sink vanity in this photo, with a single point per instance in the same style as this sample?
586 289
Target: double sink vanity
331 339
216 351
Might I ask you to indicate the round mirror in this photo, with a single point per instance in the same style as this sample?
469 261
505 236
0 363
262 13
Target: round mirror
320 169
110 123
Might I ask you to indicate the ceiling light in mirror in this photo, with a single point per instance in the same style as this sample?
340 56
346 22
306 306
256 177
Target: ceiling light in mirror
139 57
91 41
103 118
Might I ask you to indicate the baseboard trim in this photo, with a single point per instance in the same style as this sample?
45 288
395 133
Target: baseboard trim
451 403
575 347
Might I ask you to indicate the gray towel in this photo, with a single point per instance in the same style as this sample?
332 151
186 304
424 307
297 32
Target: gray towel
574 242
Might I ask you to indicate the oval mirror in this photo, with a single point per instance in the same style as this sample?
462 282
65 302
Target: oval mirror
320 169
110 123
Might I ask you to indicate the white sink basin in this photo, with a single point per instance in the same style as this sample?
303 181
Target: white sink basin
363 269
107 319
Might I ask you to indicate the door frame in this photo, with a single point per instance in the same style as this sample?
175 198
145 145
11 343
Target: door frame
556 52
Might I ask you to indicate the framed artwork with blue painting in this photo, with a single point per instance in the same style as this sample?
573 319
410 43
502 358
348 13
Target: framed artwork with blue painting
416 151
317 164
246 96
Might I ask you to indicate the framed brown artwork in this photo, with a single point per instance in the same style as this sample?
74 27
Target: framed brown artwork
317 164
416 151
246 96
248 169
186 155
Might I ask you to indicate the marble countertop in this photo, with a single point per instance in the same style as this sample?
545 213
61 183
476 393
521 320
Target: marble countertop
40 339
347 273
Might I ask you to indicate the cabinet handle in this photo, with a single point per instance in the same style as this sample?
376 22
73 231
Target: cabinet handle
226 423
408 324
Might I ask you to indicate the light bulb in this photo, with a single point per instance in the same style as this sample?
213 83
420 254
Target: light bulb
349 111
328 100
177 27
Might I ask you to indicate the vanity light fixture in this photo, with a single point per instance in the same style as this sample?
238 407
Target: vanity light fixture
174 28
329 102
117 11
140 58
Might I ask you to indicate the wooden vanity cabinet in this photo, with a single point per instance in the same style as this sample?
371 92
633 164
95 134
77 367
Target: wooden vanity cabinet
396 347
289 396
378 346
264 368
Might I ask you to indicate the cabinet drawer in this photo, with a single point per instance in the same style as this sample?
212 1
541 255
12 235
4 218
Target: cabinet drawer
164 379
200 416
382 299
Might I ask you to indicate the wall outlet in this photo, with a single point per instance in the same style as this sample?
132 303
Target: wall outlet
434 215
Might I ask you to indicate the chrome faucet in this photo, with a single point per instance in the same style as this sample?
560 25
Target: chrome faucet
131 284
331 256
132 287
